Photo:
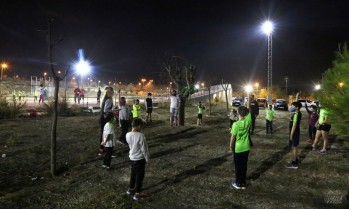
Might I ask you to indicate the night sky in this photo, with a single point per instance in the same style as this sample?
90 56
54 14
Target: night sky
125 40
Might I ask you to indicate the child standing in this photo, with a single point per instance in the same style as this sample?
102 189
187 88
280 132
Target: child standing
233 117
313 117
124 117
240 145
269 116
149 106
139 156
109 139
136 108
201 109
294 127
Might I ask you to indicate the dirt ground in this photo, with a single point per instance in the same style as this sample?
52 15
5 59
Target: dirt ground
190 166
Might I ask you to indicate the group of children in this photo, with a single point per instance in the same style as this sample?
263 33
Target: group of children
135 139
240 141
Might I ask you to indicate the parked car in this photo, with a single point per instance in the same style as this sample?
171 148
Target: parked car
237 102
261 102
280 104
303 101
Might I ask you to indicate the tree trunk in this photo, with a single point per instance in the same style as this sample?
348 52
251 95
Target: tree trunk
226 98
54 128
181 118
209 99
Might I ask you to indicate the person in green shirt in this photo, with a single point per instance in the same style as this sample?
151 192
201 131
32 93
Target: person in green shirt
240 145
269 116
323 129
201 109
136 109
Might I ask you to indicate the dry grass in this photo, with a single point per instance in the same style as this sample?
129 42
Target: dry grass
190 167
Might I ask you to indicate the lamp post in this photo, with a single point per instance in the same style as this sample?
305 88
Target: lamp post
248 89
143 80
268 28
3 67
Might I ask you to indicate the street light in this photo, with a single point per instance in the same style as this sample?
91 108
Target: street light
82 66
341 84
317 87
267 28
3 67
143 80
256 85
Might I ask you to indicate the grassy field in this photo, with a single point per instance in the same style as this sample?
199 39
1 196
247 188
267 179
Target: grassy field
190 167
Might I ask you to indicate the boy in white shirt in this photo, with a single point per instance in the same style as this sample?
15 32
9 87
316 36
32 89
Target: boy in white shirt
109 139
139 156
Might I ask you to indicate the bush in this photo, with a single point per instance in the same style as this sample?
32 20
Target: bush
10 109
334 93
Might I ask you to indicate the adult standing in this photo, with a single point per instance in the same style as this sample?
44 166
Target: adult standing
99 95
149 106
323 129
254 109
41 94
106 107
82 94
174 108
77 95
124 118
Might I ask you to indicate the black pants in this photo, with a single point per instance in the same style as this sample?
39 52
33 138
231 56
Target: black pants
240 160
312 132
253 117
124 129
269 126
107 156
137 174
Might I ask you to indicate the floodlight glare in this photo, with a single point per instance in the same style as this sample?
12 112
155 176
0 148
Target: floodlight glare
82 67
197 86
248 88
317 87
267 27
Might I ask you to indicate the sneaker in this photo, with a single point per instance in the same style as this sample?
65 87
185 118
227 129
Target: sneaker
236 185
130 191
113 156
137 196
292 165
104 166
323 151
313 147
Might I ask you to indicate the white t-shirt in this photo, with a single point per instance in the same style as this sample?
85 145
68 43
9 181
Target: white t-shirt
174 101
138 146
109 129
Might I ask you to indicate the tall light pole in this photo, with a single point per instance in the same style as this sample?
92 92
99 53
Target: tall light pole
286 80
3 67
268 28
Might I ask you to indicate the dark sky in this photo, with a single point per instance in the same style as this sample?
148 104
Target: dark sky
126 39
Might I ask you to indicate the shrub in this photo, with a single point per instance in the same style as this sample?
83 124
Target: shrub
10 109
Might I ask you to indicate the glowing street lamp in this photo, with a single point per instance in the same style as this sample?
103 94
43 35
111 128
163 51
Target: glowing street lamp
341 84
3 67
82 66
317 87
267 28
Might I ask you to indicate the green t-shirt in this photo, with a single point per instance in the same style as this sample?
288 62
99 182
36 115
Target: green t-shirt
323 114
269 114
201 109
241 131
136 110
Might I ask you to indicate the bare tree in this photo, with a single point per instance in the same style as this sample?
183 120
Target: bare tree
57 80
182 74
225 87
209 83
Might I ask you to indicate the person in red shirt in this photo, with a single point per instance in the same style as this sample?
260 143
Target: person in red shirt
82 94
77 95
